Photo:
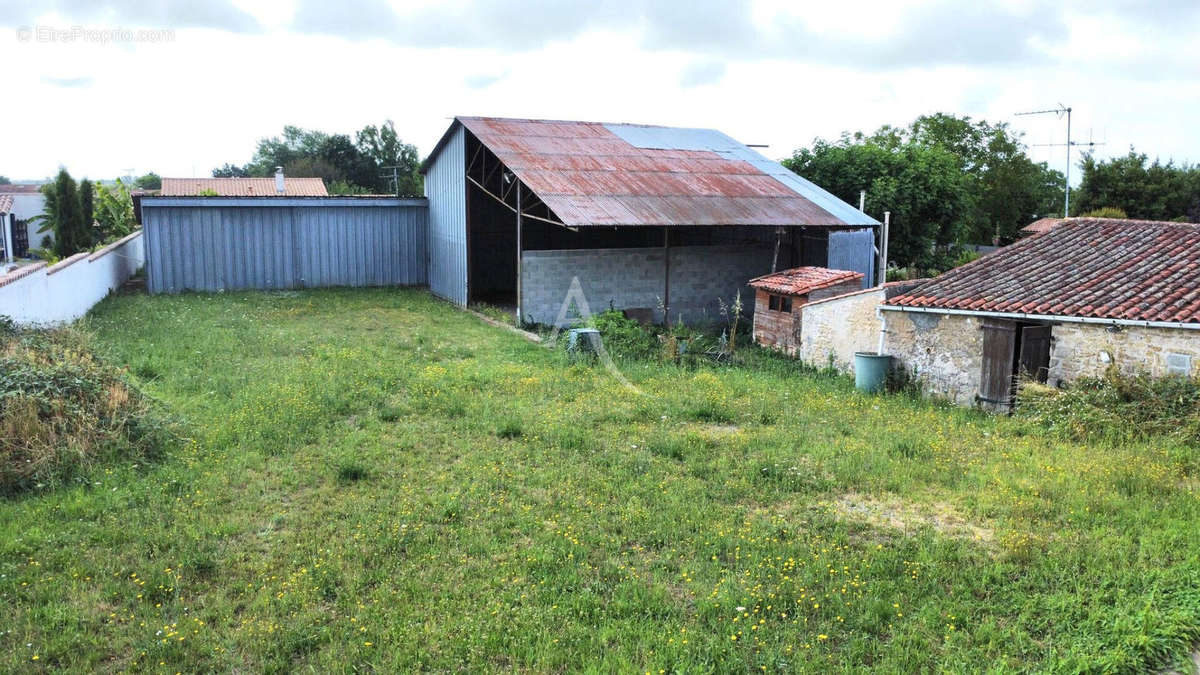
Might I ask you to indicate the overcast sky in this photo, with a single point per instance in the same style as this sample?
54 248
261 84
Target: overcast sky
191 85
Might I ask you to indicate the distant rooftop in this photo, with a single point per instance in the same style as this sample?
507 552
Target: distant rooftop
242 187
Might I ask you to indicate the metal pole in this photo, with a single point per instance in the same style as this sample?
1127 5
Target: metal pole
862 200
667 276
775 258
1067 200
518 252
883 247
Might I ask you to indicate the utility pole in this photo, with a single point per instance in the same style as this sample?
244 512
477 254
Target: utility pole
393 178
1061 110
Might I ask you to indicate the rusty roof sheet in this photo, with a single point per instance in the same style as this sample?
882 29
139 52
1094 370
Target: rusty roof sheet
6 204
591 174
1087 267
242 187
803 280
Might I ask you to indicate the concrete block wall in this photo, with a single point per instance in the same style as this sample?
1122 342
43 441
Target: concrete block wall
634 278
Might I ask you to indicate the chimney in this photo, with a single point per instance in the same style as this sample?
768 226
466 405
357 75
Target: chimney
279 180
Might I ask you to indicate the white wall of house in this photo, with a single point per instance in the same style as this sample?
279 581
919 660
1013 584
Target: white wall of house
43 294
27 206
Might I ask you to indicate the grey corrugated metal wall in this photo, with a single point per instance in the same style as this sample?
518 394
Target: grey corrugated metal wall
853 250
446 188
213 244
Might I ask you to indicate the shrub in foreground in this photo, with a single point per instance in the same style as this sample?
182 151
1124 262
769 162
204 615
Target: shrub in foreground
61 409
1116 407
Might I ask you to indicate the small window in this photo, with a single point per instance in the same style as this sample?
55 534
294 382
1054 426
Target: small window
785 305
1179 364
773 302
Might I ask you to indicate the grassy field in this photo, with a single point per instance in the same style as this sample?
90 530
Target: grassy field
374 481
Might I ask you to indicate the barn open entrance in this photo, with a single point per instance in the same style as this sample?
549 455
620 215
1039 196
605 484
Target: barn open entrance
1011 350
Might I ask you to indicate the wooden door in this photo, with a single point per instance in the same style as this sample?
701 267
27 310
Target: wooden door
999 352
1035 352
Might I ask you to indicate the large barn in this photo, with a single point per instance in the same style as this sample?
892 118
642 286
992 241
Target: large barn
662 222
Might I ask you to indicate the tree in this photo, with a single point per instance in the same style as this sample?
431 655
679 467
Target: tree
921 185
1144 190
63 215
150 181
363 164
230 171
4 180
114 211
383 146
1008 190
87 213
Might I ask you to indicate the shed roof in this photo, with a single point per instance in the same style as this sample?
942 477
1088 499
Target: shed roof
1083 267
242 187
590 173
803 280
6 204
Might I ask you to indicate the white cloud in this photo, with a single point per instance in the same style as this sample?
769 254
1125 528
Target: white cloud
770 76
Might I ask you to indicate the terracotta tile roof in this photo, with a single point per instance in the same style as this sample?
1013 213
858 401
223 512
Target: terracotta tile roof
803 280
242 187
20 189
1084 267
6 203
1043 225
590 173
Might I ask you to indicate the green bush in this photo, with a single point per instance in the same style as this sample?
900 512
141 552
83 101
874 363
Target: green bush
623 337
1116 407
61 409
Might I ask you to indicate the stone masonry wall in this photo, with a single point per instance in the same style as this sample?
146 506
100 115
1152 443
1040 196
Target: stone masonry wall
632 279
1082 350
832 330
943 351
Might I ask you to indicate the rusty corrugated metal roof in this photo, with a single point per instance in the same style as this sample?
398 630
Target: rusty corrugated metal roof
803 280
590 174
242 187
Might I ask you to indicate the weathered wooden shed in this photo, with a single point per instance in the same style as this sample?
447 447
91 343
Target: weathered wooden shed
779 300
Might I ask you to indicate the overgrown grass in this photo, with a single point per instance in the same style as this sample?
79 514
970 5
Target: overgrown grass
1117 407
62 411
378 482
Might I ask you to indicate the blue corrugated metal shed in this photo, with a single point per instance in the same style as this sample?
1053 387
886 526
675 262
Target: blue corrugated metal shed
220 243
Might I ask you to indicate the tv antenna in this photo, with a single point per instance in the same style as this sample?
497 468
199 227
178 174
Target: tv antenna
1062 111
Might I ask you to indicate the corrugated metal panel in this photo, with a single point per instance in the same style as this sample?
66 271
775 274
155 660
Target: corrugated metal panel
853 250
446 188
628 175
202 245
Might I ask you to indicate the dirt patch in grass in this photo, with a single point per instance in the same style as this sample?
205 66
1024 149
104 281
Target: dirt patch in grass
893 513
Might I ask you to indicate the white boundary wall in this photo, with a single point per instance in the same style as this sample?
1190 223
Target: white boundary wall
61 293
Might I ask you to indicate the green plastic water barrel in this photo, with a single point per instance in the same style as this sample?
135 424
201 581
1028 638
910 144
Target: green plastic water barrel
871 370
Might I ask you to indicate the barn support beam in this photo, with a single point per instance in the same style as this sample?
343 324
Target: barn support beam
667 277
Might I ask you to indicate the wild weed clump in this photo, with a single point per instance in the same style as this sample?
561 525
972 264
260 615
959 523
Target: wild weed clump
624 337
1116 407
61 409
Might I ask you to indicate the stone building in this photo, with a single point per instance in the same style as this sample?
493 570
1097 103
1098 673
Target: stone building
1079 297
780 297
